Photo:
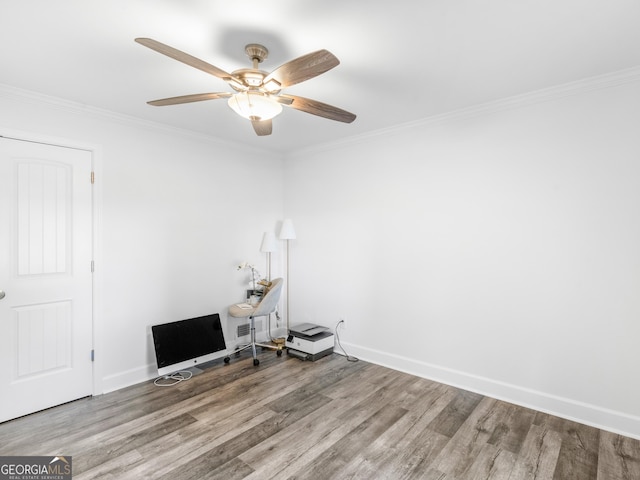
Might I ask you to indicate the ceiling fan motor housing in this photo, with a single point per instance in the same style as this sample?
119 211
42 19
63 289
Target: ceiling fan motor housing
250 77
256 52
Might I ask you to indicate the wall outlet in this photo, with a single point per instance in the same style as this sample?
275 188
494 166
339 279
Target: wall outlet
343 323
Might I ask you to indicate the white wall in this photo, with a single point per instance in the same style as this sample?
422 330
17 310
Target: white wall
497 251
177 213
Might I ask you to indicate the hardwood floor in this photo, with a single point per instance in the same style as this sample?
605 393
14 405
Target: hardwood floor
329 419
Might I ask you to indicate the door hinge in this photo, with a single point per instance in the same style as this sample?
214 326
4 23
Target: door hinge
93 178
93 265
93 356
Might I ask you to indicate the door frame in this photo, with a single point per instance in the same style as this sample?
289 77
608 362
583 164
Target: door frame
96 234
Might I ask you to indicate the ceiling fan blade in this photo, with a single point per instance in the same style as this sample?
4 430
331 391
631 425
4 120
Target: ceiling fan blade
262 127
184 58
316 108
303 68
196 97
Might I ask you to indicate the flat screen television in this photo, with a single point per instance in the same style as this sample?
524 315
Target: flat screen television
187 343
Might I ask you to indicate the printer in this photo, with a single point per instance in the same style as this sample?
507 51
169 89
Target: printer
309 342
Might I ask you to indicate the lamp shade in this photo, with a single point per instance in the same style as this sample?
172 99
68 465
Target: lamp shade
269 242
254 106
287 232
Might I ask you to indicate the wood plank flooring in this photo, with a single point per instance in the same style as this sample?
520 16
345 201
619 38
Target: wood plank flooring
329 419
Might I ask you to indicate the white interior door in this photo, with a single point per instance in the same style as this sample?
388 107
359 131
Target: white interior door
46 323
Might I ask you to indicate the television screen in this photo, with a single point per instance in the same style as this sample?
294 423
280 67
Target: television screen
185 343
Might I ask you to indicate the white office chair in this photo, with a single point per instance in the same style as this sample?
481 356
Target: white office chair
266 307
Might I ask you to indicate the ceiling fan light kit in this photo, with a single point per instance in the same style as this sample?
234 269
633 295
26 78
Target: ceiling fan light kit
254 106
258 96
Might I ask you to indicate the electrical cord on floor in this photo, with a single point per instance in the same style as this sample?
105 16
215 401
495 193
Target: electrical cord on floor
176 378
349 357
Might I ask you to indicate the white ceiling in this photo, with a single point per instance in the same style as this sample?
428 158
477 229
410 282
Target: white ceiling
401 60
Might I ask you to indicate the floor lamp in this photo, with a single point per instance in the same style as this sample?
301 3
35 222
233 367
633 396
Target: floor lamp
287 233
269 244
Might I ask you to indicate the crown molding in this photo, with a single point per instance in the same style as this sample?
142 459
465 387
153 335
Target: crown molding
598 82
578 87
70 106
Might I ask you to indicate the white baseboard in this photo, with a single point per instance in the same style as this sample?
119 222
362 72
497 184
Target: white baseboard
127 378
574 410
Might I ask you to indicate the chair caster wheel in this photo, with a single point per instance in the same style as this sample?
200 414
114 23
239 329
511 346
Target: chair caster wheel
279 353
226 359
256 362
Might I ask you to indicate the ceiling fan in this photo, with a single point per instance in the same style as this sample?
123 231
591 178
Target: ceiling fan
258 94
